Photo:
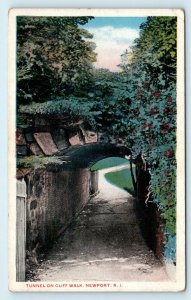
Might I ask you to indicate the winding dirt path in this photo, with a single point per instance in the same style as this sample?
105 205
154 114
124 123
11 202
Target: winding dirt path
104 243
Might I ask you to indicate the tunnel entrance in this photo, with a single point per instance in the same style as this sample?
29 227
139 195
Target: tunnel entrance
117 172
104 241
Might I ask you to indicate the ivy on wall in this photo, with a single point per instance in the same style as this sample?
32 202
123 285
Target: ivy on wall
151 71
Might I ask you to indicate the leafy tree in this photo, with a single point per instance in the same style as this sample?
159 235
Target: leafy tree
54 57
155 49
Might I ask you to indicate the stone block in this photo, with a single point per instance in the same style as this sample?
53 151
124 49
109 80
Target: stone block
90 136
35 149
20 138
45 142
75 140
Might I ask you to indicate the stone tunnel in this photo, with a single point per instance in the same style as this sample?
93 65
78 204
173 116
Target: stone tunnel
56 195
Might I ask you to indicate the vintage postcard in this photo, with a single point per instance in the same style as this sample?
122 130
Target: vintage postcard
96 150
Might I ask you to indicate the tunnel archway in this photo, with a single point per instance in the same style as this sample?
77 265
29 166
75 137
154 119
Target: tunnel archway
104 241
85 156
105 227
88 155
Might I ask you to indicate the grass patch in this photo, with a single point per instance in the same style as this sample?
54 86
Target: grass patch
121 179
109 163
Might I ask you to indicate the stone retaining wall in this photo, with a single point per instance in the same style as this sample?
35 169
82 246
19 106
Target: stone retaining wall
53 200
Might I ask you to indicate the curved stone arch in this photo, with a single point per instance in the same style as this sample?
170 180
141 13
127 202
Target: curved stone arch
85 156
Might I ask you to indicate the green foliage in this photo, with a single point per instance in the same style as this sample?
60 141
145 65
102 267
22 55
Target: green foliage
103 105
37 162
151 71
121 179
164 192
155 50
109 163
71 108
54 57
